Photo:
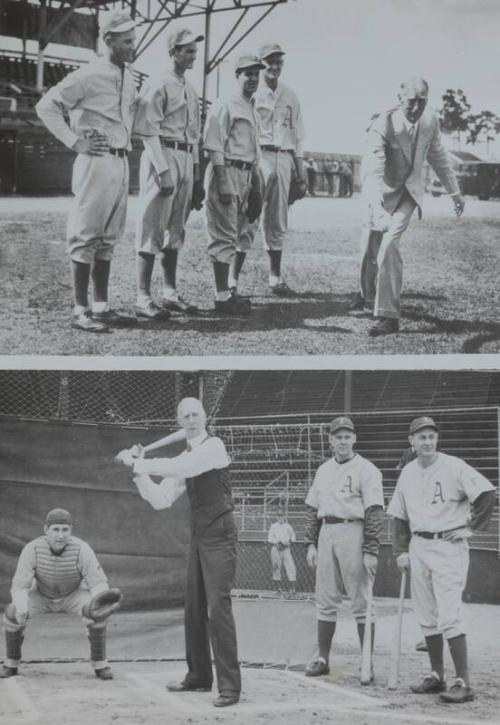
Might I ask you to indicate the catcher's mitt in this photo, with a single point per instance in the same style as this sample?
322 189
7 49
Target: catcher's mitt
298 189
103 605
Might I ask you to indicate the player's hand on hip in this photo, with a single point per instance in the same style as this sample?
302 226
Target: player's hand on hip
370 562
403 561
165 183
457 534
458 204
96 145
312 556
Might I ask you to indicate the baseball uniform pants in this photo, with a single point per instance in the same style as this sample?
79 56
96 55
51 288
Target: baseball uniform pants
225 222
97 217
340 566
283 558
161 220
438 575
276 169
208 616
382 264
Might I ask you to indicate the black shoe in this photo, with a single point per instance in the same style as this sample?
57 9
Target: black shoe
113 319
429 685
84 321
150 311
458 693
104 673
357 304
242 298
384 326
317 667
7 671
421 646
233 306
184 686
226 700
179 305
282 290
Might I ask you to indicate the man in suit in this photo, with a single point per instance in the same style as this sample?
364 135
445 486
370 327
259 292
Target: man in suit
400 141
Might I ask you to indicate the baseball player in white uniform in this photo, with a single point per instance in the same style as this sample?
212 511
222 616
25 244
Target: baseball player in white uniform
343 528
168 121
56 572
101 101
281 138
281 536
432 510
231 139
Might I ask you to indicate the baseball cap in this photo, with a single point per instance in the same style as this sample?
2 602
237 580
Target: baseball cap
248 61
422 422
341 422
59 516
115 21
270 49
183 37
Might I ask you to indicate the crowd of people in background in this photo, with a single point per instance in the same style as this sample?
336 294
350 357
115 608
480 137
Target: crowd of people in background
338 176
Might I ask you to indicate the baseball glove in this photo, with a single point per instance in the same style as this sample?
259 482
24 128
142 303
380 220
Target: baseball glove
281 546
254 205
103 604
298 188
198 195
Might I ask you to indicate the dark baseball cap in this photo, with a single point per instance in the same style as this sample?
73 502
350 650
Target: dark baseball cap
423 422
341 422
59 516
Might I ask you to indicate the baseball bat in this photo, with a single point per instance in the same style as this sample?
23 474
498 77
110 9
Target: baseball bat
396 648
366 652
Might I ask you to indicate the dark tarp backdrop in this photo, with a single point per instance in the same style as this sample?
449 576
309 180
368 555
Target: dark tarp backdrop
51 464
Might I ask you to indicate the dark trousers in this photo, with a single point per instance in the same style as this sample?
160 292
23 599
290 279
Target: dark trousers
208 615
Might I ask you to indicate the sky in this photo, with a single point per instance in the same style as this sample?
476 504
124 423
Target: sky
346 58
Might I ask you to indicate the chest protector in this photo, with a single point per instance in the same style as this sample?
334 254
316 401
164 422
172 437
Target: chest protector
57 575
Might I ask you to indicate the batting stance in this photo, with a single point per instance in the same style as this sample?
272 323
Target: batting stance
432 510
281 137
281 536
168 121
202 470
234 189
101 101
343 529
400 142
59 573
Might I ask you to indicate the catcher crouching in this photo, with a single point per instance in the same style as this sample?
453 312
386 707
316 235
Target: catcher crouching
59 573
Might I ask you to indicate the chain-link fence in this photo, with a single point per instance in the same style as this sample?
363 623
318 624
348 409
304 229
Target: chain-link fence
125 397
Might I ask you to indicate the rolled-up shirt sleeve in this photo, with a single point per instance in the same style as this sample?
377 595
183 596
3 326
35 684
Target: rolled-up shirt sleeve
205 457
160 495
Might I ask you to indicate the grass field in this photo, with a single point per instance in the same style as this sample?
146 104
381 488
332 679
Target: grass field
450 301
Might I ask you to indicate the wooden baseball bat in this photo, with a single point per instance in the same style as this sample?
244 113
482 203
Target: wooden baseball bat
396 647
366 651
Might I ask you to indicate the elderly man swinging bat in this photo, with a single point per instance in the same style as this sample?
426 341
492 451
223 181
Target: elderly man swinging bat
67 579
202 470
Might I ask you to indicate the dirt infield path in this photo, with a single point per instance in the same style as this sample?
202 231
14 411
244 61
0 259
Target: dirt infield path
146 650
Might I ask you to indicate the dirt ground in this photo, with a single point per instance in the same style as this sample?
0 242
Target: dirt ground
450 301
276 639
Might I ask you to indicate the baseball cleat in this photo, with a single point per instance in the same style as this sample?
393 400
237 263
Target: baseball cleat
430 684
421 646
86 322
359 306
179 305
7 671
226 700
104 673
384 326
282 290
233 306
150 311
317 667
458 692
112 318
184 686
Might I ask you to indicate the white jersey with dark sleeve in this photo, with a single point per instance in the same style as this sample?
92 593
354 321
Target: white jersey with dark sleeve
347 489
437 498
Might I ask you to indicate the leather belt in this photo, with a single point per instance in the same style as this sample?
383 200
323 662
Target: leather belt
275 149
336 520
430 534
118 152
245 165
178 145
